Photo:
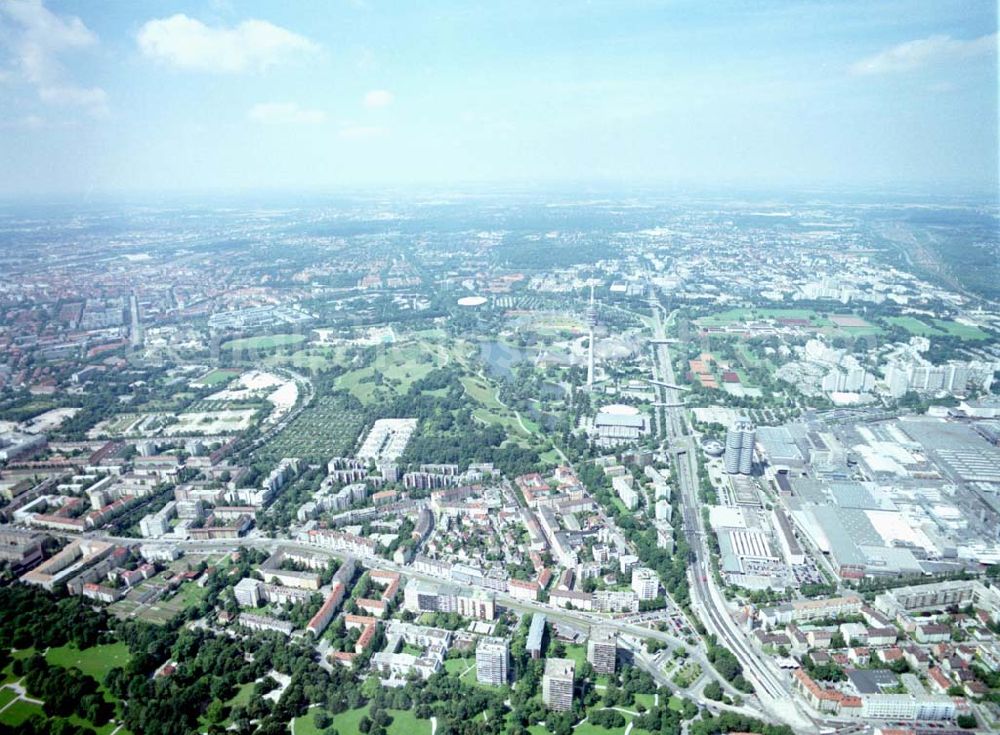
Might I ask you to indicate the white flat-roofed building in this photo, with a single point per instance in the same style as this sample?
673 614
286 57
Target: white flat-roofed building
397 666
492 661
616 601
557 684
806 610
572 599
248 592
76 557
536 632
523 590
159 552
752 544
387 440
907 707
341 541
624 488
790 545
280 595
265 623
422 596
663 510
627 562
157 524
614 428
937 596
645 583
602 650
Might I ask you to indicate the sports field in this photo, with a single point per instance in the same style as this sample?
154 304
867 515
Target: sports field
216 377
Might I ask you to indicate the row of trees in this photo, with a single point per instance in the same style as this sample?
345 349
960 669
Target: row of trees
729 668
31 617
65 691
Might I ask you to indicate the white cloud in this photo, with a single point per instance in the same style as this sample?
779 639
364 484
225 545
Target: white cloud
378 98
285 113
361 132
40 35
925 52
188 43
28 122
35 122
83 96
35 38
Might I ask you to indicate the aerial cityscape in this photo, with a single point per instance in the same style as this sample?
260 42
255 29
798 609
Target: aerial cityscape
506 454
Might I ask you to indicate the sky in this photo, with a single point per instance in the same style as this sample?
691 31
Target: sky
121 97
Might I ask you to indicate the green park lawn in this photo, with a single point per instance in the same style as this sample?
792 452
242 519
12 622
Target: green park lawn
7 695
577 653
739 316
218 376
494 412
95 661
242 696
8 674
938 327
588 728
400 366
509 423
482 392
457 666
18 712
962 331
105 729
404 722
551 457
264 342
314 359
646 700
914 325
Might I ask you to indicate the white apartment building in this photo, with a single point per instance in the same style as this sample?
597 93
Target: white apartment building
645 583
557 684
492 661
602 650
